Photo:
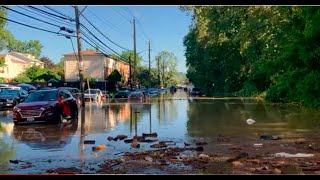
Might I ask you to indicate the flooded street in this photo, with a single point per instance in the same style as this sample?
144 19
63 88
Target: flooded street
221 123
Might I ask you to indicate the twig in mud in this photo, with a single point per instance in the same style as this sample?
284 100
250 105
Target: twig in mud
119 153
117 163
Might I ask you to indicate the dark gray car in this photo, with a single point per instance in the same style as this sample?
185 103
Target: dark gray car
12 97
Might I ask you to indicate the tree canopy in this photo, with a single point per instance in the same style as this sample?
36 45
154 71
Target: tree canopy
167 68
114 76
9 43
251 50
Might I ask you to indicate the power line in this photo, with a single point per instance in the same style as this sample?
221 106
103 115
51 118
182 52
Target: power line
112 25
128 10
97 45
47 17
36 27
139 23
43 11
99 39
73 49
30 16
121 15
56 11
94 42
143 30
103 34
108 54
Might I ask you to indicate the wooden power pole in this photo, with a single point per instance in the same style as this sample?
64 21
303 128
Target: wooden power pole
149 66
130 74
158 64
135 53
79 54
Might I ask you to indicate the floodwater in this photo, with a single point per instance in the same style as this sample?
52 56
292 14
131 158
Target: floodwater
173 117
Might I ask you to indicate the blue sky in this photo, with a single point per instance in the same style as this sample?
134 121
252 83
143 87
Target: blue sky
165 26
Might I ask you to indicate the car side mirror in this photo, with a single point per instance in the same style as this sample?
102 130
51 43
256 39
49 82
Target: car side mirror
60 99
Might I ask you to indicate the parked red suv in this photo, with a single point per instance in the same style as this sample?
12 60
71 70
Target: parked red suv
52 105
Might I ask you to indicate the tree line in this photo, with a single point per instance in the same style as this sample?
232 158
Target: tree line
271 51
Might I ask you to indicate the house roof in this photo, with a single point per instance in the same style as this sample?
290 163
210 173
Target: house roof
92 53
25 57
22 58
85 52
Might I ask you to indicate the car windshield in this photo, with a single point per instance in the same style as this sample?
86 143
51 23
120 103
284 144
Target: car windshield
24 88
196 89
123 93
9 92
71 90
92 91
42 96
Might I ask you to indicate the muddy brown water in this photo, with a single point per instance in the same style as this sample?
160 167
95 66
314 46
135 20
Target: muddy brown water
220 122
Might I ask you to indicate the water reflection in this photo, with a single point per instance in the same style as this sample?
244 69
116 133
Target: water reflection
46 136
100 118
82 132
7 149
179 120
227 117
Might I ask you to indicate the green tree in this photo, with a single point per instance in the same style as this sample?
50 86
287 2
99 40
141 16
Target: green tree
4 34
8 42
2 62
22 78
31 74
32 47
255 49
167 63
144 78
48 63
114 76
125 57
58 69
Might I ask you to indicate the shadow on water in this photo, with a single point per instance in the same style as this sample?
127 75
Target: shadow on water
228 117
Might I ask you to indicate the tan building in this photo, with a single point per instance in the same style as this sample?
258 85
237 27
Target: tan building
95 65
16 63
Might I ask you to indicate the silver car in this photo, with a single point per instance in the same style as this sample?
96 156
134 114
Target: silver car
93 95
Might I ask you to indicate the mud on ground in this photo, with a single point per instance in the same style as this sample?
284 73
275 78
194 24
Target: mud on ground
222 156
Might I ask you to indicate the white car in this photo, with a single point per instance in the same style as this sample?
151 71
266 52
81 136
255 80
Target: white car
93 94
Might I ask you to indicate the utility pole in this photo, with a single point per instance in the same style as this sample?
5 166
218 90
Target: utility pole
130 75
149 67
79 54
163 77
135 53
158 64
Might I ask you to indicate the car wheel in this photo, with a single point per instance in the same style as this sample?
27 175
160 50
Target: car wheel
75 113
59 118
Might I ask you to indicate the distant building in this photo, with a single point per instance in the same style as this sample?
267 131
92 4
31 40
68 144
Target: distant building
16 63
95 65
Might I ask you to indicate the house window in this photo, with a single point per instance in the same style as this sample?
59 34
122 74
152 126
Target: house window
1 69
8 70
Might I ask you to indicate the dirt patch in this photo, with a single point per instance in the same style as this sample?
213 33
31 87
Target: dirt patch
235 156
70 170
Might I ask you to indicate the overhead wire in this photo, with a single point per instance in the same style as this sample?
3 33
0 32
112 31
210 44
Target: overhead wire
43 11
30 16
45 30
47 17
103 34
